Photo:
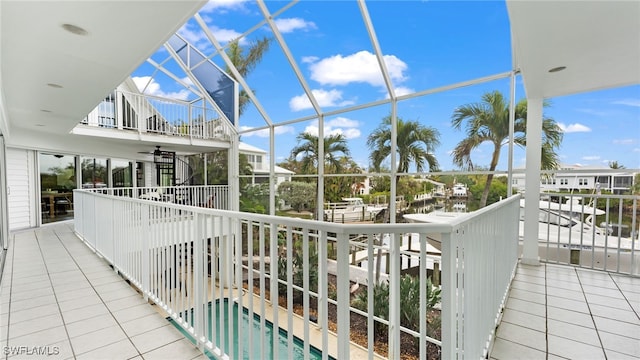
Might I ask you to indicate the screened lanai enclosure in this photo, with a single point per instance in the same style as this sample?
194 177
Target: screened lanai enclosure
362 179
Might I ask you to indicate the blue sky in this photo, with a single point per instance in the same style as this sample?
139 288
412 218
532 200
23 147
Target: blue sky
425 45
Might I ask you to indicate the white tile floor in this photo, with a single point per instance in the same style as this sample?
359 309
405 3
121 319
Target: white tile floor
562 312
58 295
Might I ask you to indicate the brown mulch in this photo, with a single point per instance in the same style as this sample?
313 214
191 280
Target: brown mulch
408 346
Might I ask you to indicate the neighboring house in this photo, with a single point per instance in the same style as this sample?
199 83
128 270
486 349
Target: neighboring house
578 177
259 161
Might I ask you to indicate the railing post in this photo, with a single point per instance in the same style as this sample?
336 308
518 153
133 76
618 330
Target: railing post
449 302
145 239
199 307
394 294
342 272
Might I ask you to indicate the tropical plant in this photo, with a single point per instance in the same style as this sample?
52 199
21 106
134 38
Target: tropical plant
380 305
297 272
488 121
255 198
335 147
338 187
616 165
416 144
409 302
636 185
245 60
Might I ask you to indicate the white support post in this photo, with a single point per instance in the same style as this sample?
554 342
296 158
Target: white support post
449 300
532 182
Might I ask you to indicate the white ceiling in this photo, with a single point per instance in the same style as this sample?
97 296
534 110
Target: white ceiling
37 51
598 42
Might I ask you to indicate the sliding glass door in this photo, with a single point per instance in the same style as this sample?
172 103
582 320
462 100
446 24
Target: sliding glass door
57 182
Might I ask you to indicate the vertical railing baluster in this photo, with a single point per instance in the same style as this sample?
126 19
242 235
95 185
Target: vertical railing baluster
289 244
343 312
395 239
144 236
449 299
273 269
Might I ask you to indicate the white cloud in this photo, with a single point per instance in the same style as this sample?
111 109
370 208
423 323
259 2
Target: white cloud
279 130
222 5
340 125
591 158
153 88
629 102
288 25
342 122
226 35
403 90
571 128
361 67
636 150
624 141
323 97
195 36
310 59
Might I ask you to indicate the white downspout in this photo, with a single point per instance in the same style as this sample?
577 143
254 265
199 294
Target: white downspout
530 254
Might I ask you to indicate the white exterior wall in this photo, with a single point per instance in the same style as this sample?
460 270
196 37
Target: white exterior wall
21 183
149 174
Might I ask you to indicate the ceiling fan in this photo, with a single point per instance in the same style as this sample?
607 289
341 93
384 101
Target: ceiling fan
157 150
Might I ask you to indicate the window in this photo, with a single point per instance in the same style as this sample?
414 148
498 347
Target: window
57 181
94 173
583 182
121 173
564 181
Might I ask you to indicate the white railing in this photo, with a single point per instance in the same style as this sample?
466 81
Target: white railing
207 196
156 115
592 231
187 260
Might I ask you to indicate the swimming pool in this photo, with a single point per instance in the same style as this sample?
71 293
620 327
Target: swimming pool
283 341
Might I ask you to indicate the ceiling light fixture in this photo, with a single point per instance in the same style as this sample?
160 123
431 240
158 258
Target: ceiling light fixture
556 69
53 85
77 30
45 110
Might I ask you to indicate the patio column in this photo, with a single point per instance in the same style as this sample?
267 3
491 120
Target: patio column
532 182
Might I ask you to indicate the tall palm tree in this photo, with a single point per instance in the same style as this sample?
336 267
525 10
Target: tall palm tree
415 144
245 62
488 121
335 147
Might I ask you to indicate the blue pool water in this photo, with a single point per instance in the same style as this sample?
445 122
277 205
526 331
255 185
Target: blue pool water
283 342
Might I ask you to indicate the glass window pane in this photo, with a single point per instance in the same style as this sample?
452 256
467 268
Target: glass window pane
57 181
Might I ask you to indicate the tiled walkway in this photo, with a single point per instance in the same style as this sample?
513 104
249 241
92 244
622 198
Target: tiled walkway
558 312
59 297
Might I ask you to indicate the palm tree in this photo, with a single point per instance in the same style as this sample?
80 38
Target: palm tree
334 145
335 148
616 165
245 62
488 121
415 144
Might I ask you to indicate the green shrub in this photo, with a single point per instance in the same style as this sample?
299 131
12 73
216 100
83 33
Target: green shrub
297 263
409 302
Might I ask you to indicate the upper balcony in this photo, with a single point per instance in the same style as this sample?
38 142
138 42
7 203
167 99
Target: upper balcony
129 114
